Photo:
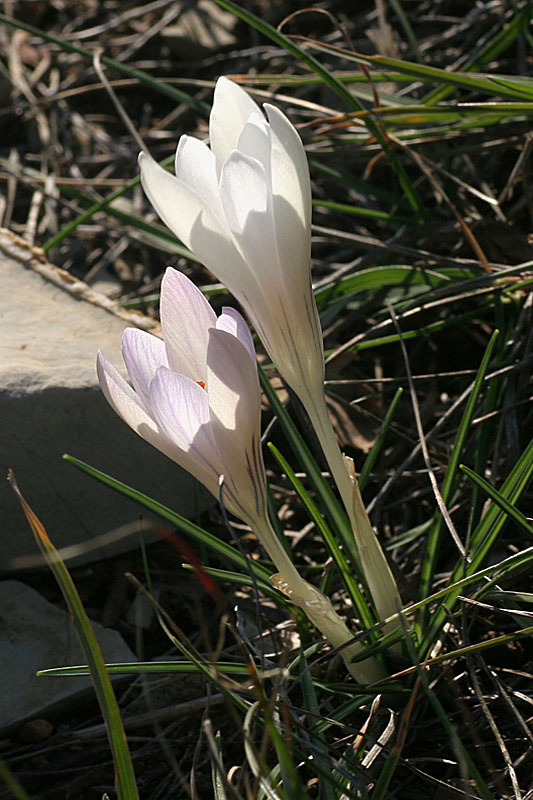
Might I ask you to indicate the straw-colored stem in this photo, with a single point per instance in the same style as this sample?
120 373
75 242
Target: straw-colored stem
316 606
374 565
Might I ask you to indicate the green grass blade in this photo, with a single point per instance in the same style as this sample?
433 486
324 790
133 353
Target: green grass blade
366 188
424 330
370 460
454 738
156 236
150 667
11 783
239 579
310 704
491 50
477 647
194 531
484 537
489 528
516 88
125 777
432 548
360 211
376 278
407 28
511 511
498 571
105 205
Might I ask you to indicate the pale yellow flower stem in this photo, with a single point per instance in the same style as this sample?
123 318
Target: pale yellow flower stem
316 606
374 565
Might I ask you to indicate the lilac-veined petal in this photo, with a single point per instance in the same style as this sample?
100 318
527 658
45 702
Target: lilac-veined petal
126 403
231 321
235 412
181 409
196 166
231 110
186 317
143 354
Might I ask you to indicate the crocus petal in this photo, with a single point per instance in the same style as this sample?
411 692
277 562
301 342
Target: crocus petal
291 198
122 398
174 201
243 191
186 317
181 409
181 209
254 140
235 411
231 110
195 165
143 354
290 170
247 202
231 321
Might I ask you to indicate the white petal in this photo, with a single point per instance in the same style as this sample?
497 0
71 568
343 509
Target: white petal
176 203
231 321
181 408
122 398
231 110
290 169
186 317
254 140
235 410
291 190
143 354
196 166
247 202
244 189
182 211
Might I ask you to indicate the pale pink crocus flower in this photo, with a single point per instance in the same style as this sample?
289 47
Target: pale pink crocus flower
243 206
195 396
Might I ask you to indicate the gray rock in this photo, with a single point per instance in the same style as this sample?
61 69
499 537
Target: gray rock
51 327
36 635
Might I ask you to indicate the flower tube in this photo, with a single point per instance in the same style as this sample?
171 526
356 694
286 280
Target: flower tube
196 397
243 206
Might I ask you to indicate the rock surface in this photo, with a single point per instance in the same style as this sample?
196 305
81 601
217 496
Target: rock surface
36 635
51 327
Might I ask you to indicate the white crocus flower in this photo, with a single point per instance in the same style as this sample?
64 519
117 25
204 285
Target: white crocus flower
243 206
196 397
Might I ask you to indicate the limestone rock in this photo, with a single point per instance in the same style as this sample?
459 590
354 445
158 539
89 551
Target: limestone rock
36 635
51 327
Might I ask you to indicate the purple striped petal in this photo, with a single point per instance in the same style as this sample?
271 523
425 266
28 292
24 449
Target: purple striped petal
231 321
143 354
186 317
